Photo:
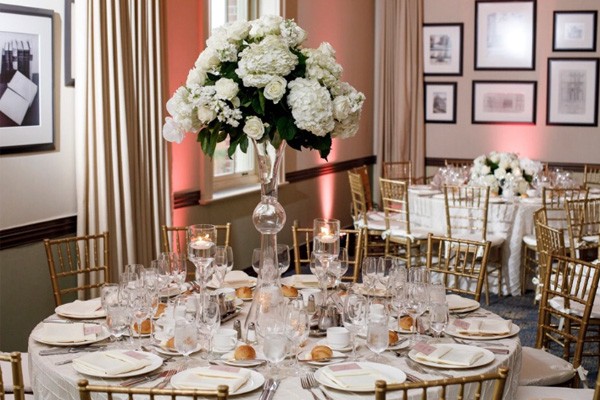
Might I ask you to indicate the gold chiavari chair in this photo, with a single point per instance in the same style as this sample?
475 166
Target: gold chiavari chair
458 163
78 265
565 309
467 217
363 172
583 220
457 261
554 199
591 176
365 217
471 387
350 239
398 229
398 171
85 391
17 385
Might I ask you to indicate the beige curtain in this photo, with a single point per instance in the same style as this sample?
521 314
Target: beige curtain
121 159
399 126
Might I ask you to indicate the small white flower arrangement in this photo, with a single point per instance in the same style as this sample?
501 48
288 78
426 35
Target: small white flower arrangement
255 80
504 171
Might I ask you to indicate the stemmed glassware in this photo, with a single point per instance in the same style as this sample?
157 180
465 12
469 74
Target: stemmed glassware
223 263
275 343
369 274
208 319
256 260
163 271
283 258
339 266
385 268
438 319
354 316
415 305
201 251
117 319
109 294
326 243
141 309
296 329
377 333
317 268
186 339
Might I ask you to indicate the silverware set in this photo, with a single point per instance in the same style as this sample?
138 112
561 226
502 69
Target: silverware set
309 382
269 389
424 370
70 350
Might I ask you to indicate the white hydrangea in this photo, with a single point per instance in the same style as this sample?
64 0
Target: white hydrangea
530 167
291 33
226 89
172 131
322 66
208 60
196 76
346 128
260 62
237 31
264 26
311 106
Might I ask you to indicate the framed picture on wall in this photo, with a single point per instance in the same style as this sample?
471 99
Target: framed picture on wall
572 91
26 79
575 30
69 43
440 102
502 102
442 49
505 35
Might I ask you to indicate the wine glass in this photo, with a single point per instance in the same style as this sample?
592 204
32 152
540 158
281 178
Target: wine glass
283 258
418 274
201 251
317 268
385 266
377 334
297 329
186 338
163 270
354 316
117 320
369 274
208 320
339 266
437 293
415 305
141 309
178 271
223 262
275 348
256 260
109 294
438 319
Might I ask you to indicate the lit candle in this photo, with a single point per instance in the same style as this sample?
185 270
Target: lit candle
326 236
202 243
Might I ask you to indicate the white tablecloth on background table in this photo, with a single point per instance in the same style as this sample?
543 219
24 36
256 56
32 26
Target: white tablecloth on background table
52 382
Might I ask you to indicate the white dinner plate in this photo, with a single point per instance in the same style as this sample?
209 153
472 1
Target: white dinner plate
171 290
163 349
228 359
156 362
323 342
469 305
451 330
297 282
388 373
487 357
251 282
99 337
306 357
255 380
63 311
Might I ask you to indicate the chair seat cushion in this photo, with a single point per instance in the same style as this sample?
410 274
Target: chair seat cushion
530 240
415 233
494 239
558 393
542 368
7 377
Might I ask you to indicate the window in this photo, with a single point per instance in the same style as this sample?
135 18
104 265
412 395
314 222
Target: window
241 169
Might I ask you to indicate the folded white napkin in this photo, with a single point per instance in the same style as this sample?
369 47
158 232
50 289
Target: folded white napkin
353 376
449 355
113 362
210 378
485 327
82 308
306 280
457 303
64 333
236 277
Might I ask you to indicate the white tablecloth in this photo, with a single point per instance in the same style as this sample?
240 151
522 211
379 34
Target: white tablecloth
513 220
59 382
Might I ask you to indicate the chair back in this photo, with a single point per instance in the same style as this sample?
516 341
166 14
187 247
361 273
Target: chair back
78 265
395 204
566 305
360 206
398 170
466 211
460 262
554 199
85 391
458 163
363 172
17 373
583 221
466 387
350 239
591 176
549 241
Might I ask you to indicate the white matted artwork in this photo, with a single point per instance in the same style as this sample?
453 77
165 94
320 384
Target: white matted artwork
575 30
442 49
572 91
503 102
440 102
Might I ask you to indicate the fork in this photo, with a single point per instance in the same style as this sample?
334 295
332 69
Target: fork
306 385
478 343
315 385
162 384
423 370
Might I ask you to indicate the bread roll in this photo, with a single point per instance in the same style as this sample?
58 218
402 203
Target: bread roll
146 327
406 323
160 309
244 352
392 338
289 291
243 292
321 353
170 344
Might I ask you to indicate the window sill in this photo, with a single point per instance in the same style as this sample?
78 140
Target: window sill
226 194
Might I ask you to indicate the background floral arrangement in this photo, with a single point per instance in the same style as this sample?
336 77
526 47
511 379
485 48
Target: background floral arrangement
502 171
255 80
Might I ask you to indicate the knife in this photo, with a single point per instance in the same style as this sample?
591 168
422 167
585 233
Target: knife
272 390
266 387
70 350
147 378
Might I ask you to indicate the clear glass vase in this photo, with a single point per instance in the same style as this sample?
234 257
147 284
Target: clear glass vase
268 218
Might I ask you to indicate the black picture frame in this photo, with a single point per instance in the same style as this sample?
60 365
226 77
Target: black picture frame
27 84
572 91
504 102
505 35
440 102
575 30
69 73
443 49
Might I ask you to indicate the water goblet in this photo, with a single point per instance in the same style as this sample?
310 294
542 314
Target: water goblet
377 335
208 320
186 339
415 305
275 348
354 316
117 320
385 268
297 327
339 266
438 319
369 274
109 294
283 258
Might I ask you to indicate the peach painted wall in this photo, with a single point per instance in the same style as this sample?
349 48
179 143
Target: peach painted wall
549 143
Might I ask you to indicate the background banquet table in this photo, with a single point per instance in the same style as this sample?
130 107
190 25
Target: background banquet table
54 382
513 219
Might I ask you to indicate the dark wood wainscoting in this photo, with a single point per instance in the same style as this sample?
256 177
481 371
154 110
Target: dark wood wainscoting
33 233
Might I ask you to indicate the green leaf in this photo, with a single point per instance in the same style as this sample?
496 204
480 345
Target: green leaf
212 145
286 127
244 143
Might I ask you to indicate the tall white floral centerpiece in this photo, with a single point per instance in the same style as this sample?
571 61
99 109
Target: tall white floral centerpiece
504 172
255 82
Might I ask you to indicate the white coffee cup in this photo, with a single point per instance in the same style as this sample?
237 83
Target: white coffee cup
338 337
225 339
307 292
229 293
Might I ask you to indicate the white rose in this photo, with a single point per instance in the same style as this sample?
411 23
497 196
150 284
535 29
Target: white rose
207 60
196 76
235 102
500 173
226 89
238 30
275 89
172 131
341 107
205 114
485 169
254 128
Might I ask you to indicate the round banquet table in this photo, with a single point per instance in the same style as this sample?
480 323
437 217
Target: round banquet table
511 219
59 382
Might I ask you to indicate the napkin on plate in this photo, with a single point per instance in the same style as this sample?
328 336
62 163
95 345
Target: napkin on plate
484 327
458 303
236 277
450 355
82 308
353 376
213 376
64 333
306 280
113 362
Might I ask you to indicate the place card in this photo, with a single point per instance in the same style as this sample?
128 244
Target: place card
135 354
462 324
424 348
92 329
344 367
224 368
